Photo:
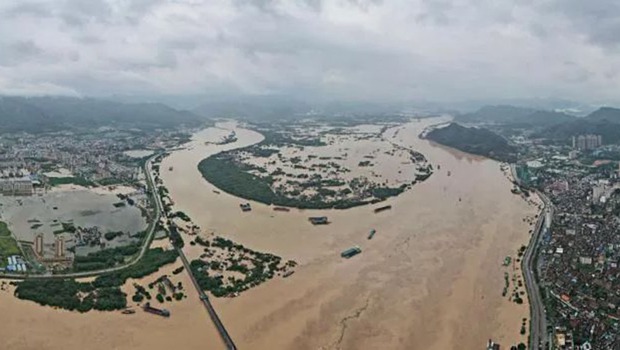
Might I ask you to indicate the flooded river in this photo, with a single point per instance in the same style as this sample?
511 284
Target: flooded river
431 278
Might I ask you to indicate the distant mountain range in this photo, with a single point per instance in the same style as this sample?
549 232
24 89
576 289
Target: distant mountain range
605 114
604 121
474 140
42 114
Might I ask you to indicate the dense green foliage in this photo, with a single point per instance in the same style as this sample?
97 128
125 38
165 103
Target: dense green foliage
223 172
181 215
112 234
208 273
386 192
104 258
102 294
278 139
474 140
67 294
4 229
60 293
8 244
152 260
257 151
176 238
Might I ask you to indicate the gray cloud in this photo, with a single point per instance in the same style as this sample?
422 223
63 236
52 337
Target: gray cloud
356 49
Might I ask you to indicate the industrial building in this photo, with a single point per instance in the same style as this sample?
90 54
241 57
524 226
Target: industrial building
15 263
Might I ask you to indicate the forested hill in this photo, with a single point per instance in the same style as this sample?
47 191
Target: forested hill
42 114
605 121
509 115
478 141
605 114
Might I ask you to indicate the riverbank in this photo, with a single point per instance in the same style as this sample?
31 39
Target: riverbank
433 266
31 326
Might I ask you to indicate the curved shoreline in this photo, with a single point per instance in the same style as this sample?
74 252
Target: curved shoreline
235 178
439 257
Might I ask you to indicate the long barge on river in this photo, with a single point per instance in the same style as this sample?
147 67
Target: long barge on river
383 208
351 252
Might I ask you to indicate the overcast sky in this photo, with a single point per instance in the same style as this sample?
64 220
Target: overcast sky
357 49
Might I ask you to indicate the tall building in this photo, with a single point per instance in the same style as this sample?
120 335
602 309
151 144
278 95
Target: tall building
60 247
38 244
587 142
16 186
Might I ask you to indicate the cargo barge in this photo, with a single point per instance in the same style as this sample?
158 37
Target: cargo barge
384 208
319 220
372 233
160 312
351 252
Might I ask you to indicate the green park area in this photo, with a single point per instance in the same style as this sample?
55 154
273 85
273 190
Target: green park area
8 244
104 293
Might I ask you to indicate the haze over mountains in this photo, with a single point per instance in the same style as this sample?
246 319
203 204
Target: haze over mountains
43 114
604 121
516 116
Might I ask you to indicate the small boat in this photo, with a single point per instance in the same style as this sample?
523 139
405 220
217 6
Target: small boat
216 192
372 233
128 312
171 168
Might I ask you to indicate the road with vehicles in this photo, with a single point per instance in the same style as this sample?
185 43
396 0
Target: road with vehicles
538 319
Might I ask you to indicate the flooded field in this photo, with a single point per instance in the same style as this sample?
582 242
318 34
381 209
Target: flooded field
318 166
28 216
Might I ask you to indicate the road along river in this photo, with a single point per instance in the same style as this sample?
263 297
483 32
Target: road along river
431 278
